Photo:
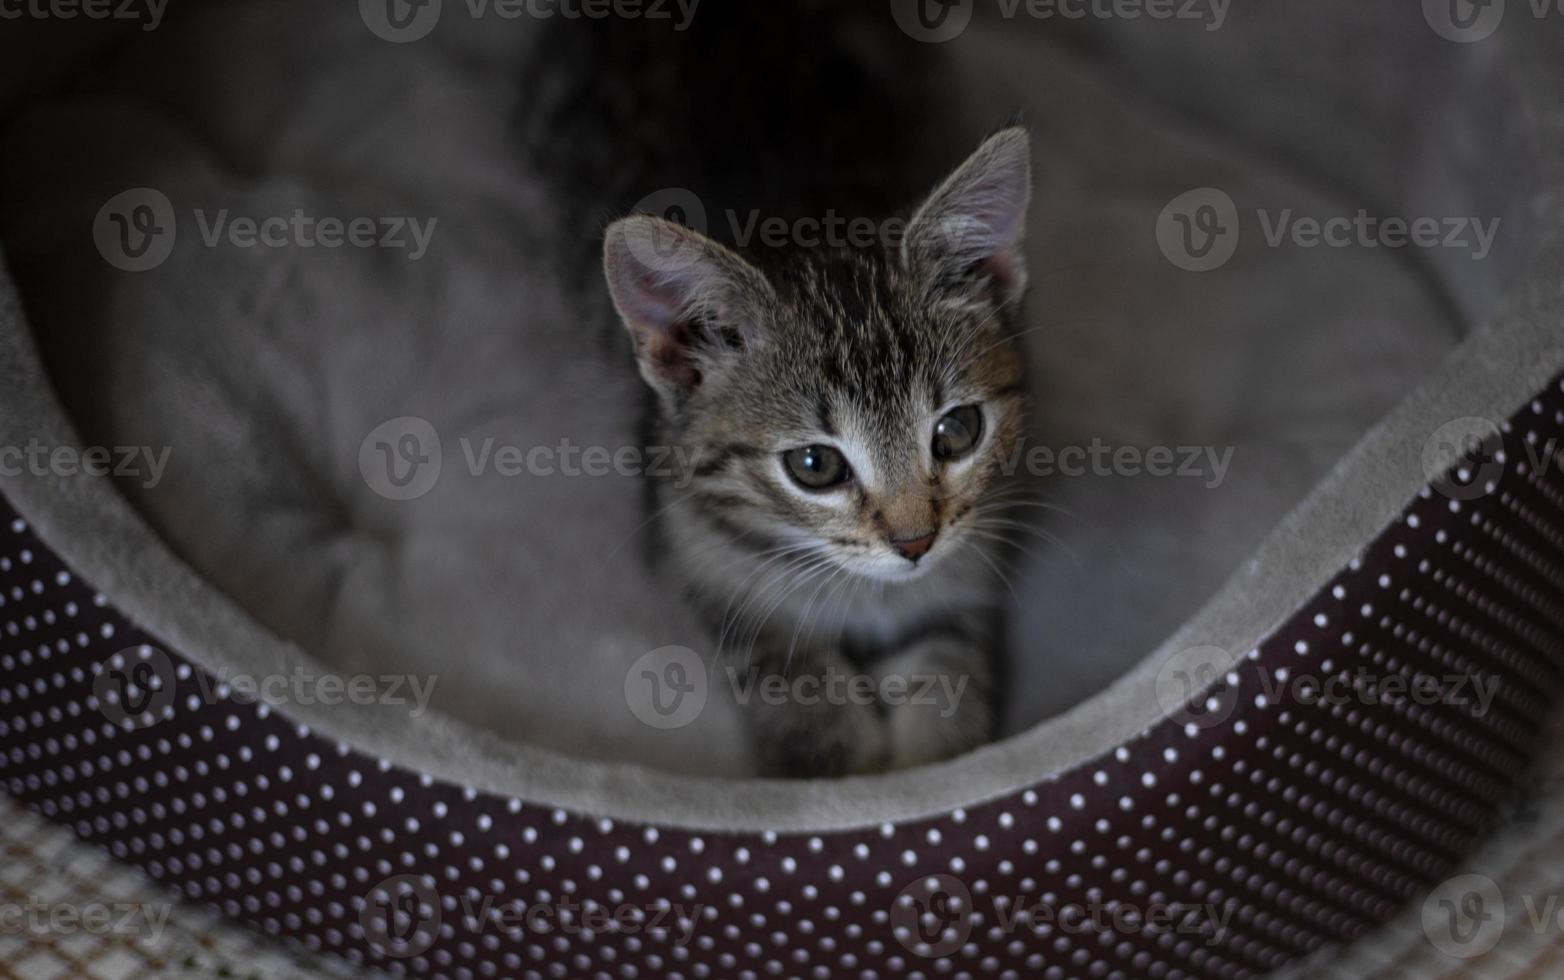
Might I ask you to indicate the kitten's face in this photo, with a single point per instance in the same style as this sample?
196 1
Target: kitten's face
856 407
870 427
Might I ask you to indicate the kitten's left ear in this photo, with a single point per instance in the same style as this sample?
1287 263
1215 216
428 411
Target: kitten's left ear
972 226
690 304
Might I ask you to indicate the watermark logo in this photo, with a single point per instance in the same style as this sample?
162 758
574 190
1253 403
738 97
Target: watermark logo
1464 458
1464 916
666 250
932 917
667 688
135 230
401 917
401 459
1192 689
1469 21
1468 915
1198 230
1464 21
932 21
135 687
400 21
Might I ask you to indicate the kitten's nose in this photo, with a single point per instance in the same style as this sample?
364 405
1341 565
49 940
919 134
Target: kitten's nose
914 548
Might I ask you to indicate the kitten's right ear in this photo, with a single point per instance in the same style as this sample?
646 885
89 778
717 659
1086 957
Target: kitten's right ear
688 302
972 226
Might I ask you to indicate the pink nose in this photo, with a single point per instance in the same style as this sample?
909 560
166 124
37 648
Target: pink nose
914 548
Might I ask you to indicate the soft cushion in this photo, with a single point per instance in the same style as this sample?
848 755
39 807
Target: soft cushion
527 598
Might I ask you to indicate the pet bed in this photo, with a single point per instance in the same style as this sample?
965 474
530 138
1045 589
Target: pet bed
1252 827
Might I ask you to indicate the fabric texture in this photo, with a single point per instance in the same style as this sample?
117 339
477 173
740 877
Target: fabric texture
1262 820
267 371
74 913
1324 828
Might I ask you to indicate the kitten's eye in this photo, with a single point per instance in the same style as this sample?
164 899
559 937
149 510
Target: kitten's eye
958 432
816 467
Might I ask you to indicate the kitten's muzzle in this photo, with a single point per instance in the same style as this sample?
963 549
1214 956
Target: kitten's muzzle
914 548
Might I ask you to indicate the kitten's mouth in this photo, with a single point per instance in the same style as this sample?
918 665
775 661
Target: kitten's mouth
896 567
908 571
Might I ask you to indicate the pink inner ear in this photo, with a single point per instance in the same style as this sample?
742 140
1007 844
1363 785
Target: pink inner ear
999 268
654 301
668 353
656 313
677 302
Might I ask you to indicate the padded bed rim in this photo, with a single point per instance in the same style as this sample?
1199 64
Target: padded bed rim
1491 375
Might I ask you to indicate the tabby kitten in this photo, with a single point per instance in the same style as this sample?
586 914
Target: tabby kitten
851 411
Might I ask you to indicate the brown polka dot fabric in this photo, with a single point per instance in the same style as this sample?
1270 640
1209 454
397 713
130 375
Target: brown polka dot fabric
1301 798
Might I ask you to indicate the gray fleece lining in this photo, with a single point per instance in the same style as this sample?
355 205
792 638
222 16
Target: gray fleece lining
92 528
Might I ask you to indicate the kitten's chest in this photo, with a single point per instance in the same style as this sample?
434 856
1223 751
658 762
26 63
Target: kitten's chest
890 619
867 619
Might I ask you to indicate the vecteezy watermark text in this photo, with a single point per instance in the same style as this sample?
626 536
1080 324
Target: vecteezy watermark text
1200 686
941 691
933 917
404 21
401 917
136 230
302 230
1210 14
1361 686
832 229
570 460
1365 230
567 916
148 12
1100 458
404 458
141 463
668 688
139 686
937 21
1200 230
309 687
40 916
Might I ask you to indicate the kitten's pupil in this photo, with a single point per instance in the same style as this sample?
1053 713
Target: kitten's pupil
958 432
816 467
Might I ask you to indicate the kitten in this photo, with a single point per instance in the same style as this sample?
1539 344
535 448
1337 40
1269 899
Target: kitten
850 410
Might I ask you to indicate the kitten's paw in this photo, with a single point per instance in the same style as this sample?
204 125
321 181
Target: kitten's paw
843 740
939 702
